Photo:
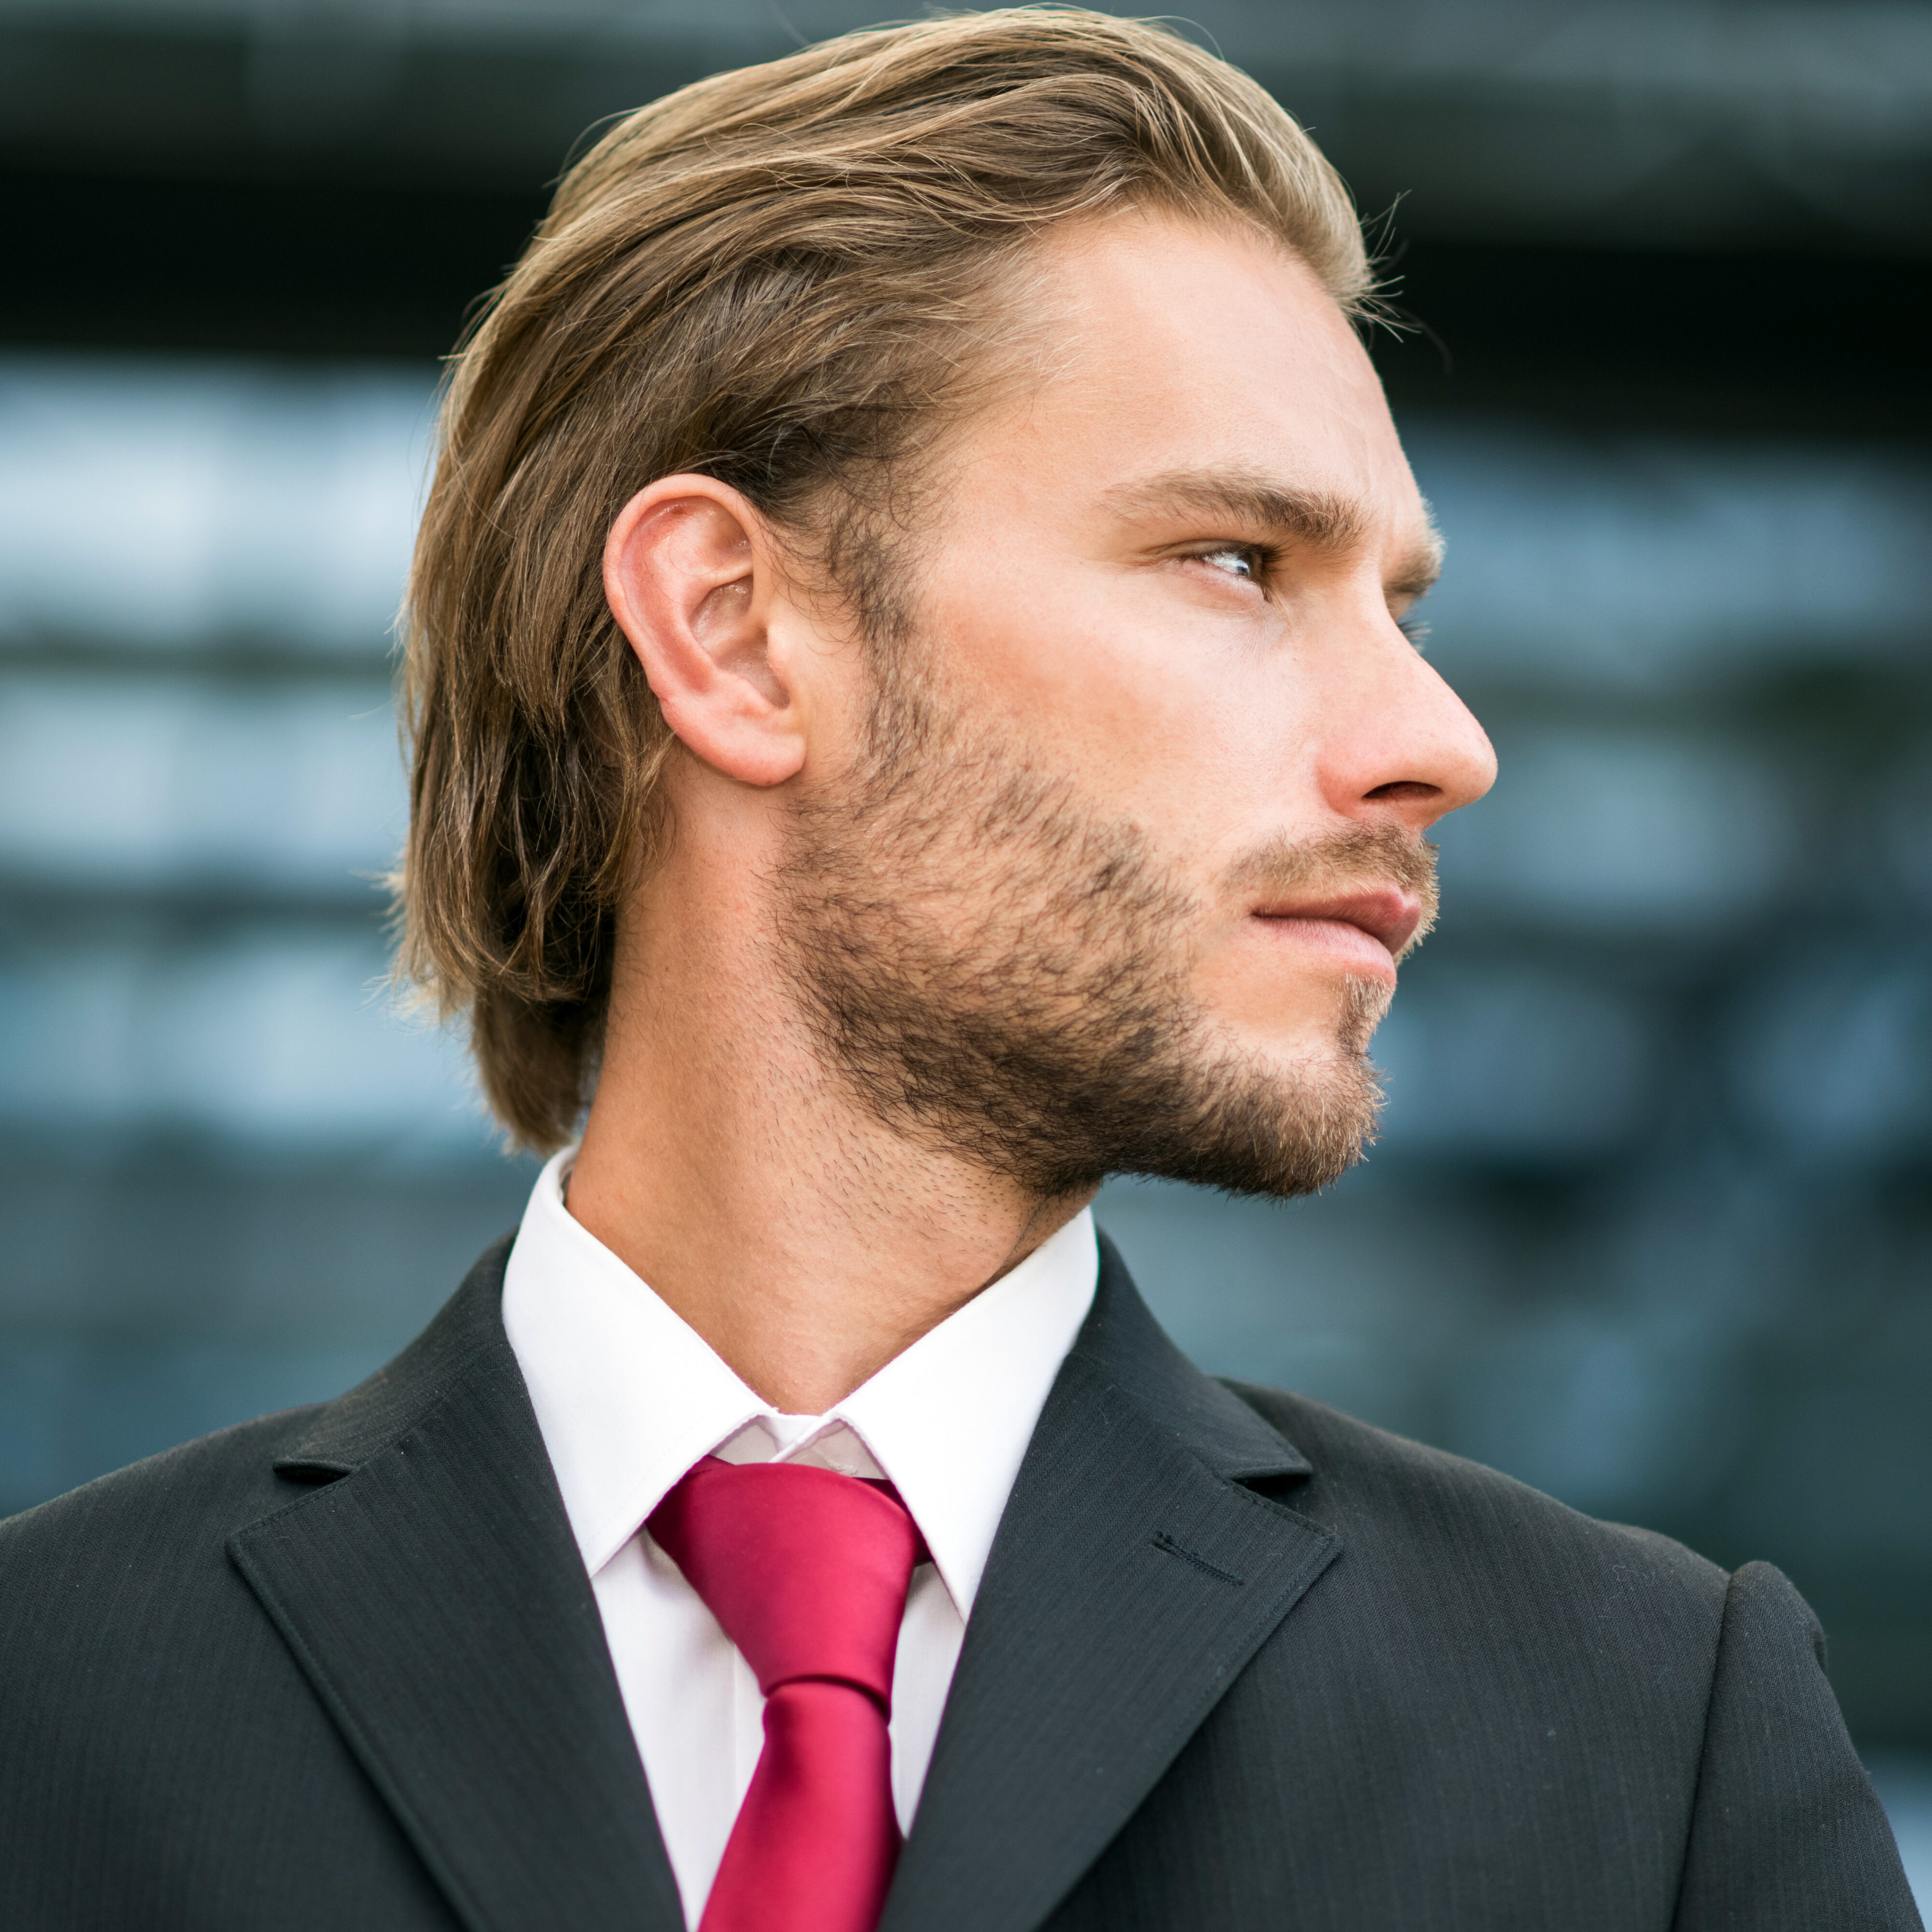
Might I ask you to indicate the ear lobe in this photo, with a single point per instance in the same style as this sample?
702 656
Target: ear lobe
690 574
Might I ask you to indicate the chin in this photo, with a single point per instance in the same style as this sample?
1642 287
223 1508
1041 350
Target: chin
1335 1034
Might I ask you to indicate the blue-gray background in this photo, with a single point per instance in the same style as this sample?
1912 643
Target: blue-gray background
1649 1224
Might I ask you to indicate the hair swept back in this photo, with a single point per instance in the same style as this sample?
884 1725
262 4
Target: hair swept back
778 277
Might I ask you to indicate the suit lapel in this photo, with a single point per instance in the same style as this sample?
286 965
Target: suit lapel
1132 1579
432 1594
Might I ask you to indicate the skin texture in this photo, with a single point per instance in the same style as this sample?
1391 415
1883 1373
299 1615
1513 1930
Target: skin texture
1161 584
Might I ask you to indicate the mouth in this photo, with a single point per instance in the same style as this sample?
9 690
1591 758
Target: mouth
1384 914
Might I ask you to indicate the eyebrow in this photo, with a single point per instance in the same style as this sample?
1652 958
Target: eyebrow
1316 519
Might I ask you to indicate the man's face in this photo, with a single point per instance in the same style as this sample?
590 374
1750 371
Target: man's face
1120 881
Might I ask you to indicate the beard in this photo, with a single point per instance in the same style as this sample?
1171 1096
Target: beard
999 971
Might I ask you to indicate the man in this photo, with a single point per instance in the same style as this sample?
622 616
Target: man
912 716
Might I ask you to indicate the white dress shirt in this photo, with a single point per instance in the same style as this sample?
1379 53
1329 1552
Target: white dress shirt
629 1396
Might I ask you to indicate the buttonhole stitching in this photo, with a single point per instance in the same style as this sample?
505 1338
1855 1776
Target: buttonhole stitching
1162 1540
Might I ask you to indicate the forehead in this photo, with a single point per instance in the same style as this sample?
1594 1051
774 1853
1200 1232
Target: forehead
1167 347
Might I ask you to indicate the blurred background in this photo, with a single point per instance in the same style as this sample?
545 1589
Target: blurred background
1650 1226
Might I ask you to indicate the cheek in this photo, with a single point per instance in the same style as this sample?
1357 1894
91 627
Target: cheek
1189 722
1064 653
1191 728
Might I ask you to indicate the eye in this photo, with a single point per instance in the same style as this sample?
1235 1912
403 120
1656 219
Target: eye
1235 560
1415 629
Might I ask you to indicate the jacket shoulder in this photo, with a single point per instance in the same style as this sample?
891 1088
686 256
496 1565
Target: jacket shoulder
1616 1667
1385 1495
192 1498
147 1527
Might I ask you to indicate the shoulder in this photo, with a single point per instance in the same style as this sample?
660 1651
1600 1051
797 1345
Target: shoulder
1401 1507
146 1544
169 1519
122 1619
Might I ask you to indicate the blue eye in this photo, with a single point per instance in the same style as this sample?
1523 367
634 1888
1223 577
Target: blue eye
1236 562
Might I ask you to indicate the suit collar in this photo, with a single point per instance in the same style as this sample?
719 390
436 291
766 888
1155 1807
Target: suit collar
377 1413
1120 1340
1135 1573
430 1590
1129 1350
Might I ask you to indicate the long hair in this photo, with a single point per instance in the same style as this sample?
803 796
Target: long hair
788 278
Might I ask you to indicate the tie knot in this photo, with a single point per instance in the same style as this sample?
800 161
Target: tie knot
806 1570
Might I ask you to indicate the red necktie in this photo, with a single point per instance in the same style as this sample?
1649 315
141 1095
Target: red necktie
807 1572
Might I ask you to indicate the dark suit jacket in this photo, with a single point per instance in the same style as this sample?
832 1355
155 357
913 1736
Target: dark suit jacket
1237 1662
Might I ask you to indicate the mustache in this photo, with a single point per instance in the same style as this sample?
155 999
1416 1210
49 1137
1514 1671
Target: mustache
1363 856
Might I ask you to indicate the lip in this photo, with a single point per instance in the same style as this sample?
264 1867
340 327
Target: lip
1388 915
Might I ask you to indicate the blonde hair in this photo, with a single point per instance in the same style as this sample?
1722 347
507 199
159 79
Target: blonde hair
779 277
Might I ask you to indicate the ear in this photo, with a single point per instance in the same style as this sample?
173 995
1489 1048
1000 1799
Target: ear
690 571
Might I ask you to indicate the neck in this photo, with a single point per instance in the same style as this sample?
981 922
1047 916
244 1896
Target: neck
806 1241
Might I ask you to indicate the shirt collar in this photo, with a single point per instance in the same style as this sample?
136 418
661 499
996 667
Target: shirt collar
628 1395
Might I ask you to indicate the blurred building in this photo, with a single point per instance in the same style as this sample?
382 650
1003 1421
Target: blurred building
1650 1224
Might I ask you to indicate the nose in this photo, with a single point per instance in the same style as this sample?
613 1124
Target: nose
1402 746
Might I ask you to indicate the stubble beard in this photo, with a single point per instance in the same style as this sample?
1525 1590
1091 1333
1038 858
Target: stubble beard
998 971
